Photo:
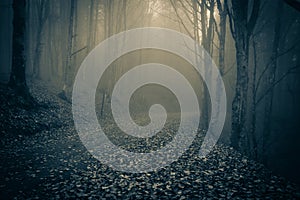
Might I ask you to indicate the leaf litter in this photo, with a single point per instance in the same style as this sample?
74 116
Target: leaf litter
42 157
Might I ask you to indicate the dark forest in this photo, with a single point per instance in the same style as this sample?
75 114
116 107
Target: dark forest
150 99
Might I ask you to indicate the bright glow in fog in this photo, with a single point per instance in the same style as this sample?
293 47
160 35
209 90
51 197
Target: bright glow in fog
147 74
84 90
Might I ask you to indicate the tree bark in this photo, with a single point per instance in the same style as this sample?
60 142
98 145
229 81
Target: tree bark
43 13
252 133
239 104
17 77
91 38
244 23
67 68
271 79
222 36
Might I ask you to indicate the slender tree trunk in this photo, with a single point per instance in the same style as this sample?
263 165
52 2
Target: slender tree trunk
210 28
102 104
222 36
37 54
96 23
67 68
203 24
204 42
42 8
252 132
107 32
91 26
208 47
271 80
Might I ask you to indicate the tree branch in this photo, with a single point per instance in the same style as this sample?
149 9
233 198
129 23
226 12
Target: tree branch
216 26
253 17
272 61
230 19
181 21
78 50
277 82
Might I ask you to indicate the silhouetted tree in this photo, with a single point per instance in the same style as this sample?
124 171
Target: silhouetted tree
42 8
67 69
242 21
17 77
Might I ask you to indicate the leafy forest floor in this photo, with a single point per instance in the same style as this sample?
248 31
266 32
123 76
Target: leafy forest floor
41 157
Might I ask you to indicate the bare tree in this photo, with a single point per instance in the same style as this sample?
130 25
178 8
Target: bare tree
222 34
242 22
68 66
17 77
272 75
42 9
92 29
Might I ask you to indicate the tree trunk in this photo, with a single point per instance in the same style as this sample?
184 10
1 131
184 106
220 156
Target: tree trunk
244 23
222 37
17 77
252 133
90 41
239 104
37 55
271 80
42 9
67 68
205 41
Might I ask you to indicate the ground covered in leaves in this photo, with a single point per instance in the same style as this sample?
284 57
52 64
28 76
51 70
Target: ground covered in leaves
42 157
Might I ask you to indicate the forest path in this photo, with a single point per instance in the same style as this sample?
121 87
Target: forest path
54 164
